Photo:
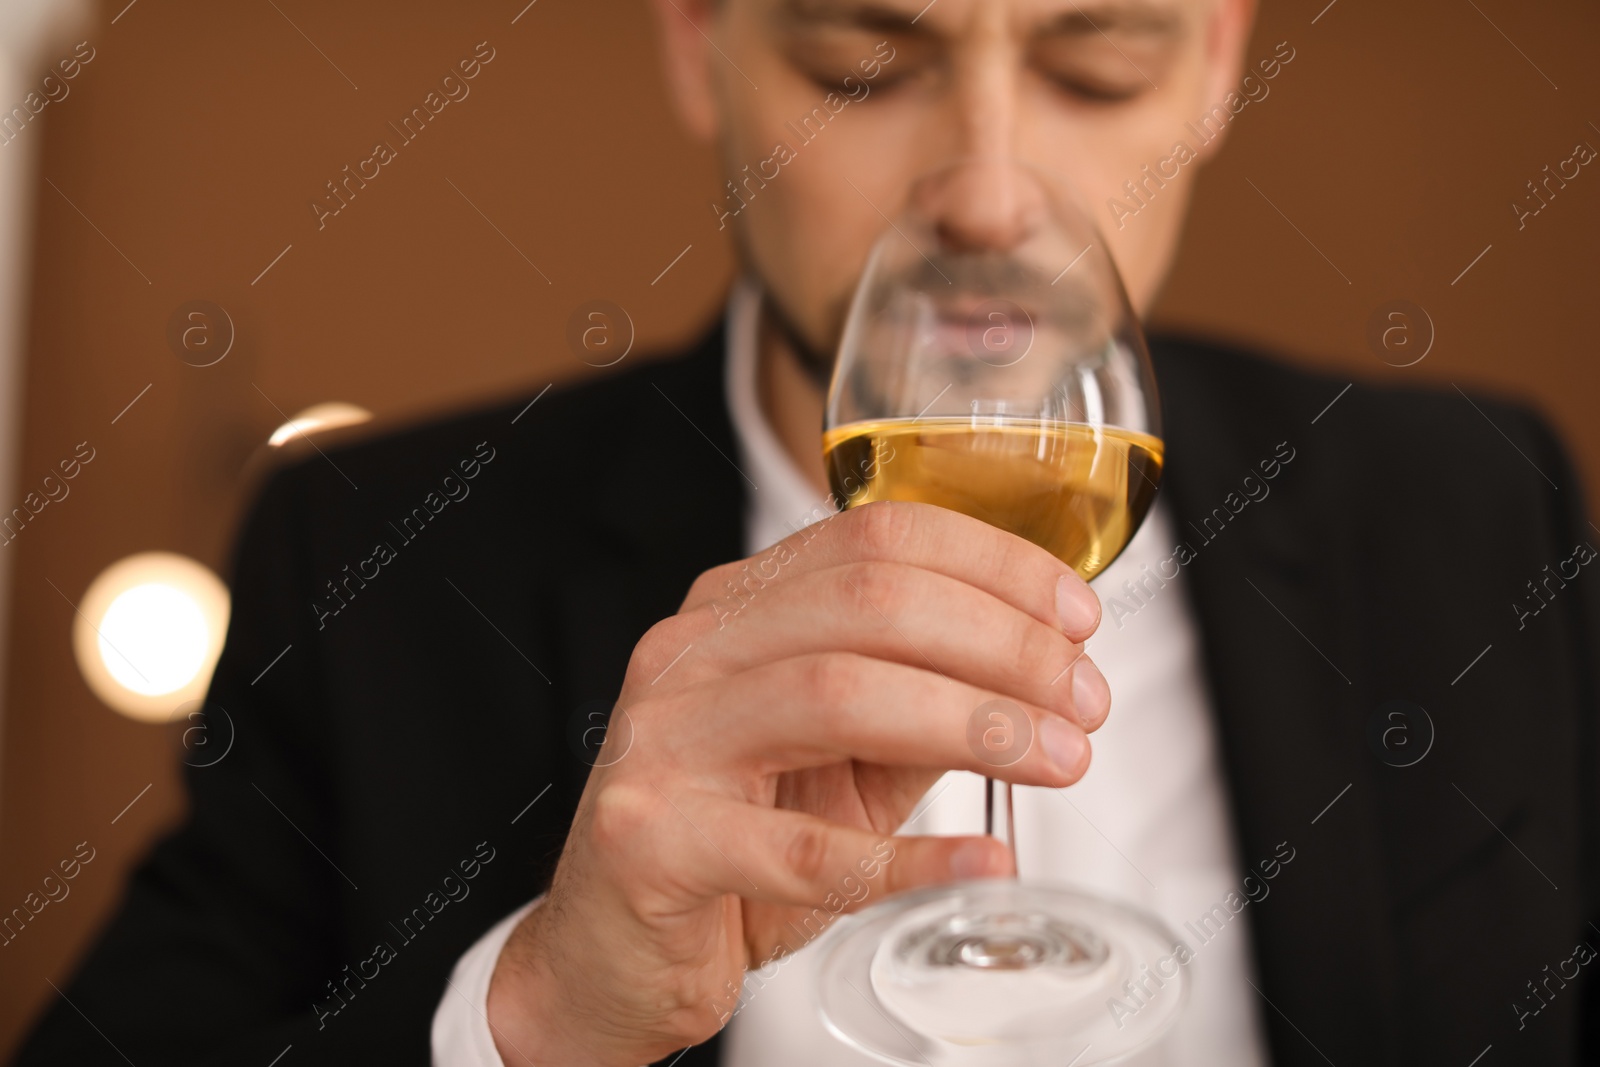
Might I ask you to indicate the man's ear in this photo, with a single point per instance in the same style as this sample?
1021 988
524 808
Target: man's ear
1227 34
685 27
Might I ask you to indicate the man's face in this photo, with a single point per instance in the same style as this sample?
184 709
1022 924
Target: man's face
826 111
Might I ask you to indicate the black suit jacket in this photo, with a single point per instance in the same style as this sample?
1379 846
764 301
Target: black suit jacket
414 655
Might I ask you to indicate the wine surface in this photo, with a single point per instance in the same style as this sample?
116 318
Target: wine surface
1077 491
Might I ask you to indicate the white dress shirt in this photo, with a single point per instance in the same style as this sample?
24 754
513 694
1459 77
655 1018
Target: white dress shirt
1148 823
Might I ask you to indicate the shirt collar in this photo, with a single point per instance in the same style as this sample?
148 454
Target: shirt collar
783 501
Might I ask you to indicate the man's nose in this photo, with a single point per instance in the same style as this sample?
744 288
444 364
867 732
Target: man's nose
984 200
984 204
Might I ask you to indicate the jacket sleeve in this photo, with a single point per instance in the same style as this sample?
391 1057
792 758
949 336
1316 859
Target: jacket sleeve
1571 518
229 919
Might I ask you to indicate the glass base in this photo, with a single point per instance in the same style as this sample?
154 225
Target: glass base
999 972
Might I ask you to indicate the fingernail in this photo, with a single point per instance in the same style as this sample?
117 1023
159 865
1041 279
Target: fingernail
1064 744
1076 605
970 860
1091 696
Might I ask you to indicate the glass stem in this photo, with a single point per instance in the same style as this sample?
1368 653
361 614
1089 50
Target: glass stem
997 797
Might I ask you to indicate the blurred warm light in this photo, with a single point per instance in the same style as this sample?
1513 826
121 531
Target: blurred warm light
328 416
148 632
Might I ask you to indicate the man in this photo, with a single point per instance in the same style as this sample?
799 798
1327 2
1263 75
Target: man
418 842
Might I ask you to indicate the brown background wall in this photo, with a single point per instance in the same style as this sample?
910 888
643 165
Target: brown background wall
199 133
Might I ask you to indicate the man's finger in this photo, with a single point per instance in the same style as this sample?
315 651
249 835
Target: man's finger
815 710
794 859
913 616
922 535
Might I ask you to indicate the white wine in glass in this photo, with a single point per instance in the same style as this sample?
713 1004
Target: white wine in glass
1075 490
992 364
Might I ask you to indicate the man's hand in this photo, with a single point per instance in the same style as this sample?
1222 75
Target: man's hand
773 759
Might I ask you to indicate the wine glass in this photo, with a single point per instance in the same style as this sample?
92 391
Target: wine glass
991 363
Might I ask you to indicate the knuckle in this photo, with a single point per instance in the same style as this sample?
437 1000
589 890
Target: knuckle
1001 556
881 527
832 680
667 632
805 854
886 589
708 585
701 587
622 812
661 643
1038 649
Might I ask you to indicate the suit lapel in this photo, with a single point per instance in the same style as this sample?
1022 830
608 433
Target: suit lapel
667 511
1274 596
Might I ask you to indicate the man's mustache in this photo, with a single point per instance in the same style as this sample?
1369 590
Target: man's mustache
985 274
956 282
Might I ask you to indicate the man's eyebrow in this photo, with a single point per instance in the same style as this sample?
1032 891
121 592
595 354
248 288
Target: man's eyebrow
853 14
1134 17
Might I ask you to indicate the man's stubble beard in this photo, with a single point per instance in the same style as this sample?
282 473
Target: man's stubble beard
994 275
